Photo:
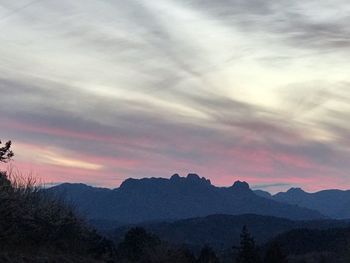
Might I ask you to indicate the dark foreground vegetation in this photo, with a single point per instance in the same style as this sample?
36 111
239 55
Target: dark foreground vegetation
37 227
295 246
218 231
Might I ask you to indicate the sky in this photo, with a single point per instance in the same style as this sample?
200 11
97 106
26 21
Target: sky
98 91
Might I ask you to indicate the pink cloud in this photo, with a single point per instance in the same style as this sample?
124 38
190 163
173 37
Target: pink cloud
219 159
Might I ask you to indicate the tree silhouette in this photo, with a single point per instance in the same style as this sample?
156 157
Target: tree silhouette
323 259
5 152
248 252
137 245
207 255
183 255
274 254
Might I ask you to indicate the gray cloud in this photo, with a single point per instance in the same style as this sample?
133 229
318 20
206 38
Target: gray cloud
290 22
126 80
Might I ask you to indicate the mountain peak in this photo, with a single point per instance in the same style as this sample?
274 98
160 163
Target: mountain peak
128 183
295 190
192 177
241 185
175 177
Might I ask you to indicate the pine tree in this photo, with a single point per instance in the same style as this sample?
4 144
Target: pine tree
323 259
207 255
137 245
274 254
248 252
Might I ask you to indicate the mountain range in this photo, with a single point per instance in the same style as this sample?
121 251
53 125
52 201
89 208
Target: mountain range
157 199
331 203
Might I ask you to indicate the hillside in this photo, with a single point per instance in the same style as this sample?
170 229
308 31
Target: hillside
148 199
223 231
316 245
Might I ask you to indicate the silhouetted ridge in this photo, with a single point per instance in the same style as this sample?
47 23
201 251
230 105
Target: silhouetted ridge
191 179
148 199
76 186
296 190
241 186
194 178
332 203
132 183
175 177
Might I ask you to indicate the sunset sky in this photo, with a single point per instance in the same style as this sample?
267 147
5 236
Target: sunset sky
97 91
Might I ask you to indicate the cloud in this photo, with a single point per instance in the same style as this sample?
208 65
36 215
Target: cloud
313 25
242 139
233 89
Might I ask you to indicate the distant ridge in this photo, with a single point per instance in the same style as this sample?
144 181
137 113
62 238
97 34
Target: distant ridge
332 203
147 199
